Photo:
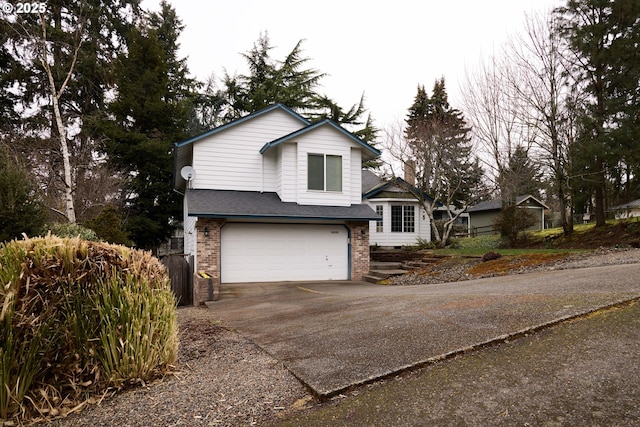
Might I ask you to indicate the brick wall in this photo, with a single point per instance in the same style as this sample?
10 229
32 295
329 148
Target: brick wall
208 251
359 249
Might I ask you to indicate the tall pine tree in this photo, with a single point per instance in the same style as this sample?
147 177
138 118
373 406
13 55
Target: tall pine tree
290 82
149 113
603 37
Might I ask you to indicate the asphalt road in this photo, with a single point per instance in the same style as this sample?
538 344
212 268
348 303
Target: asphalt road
583 372
334 335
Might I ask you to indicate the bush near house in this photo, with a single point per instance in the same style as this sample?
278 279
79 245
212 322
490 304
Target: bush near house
512 222
79 318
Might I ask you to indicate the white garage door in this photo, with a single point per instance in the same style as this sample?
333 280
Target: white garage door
281 252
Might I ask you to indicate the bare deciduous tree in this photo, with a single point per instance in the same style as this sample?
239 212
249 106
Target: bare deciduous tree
56 92
34 42
495 114
542 86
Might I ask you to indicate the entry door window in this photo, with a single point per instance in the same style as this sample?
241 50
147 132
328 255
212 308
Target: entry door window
403 219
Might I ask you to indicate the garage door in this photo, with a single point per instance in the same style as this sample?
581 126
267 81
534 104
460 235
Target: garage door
281 252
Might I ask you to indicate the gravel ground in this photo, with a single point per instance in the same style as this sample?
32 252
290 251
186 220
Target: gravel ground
222 379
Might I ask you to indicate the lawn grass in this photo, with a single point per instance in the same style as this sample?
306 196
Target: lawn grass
472 246
585 237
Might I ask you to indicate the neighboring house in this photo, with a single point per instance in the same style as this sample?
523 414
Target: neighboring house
274 197
483 215
174 244
627 210
402 219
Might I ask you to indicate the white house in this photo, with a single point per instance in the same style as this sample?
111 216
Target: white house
402 218
627 210
274 197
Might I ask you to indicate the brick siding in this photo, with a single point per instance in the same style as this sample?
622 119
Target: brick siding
208 259
359 249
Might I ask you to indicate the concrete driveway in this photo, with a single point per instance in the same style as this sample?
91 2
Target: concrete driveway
333 335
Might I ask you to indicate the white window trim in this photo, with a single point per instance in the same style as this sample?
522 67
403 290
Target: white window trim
324 160
403 225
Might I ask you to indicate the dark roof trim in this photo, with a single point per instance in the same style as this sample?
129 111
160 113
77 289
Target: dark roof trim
527 197
242 120
496 204
311 127
253 204
285 217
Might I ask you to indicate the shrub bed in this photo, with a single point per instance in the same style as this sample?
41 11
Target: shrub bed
78 319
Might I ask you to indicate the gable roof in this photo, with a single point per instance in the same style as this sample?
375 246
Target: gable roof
496 204
257 205
373 152
370 181
630 205
242 120
390 185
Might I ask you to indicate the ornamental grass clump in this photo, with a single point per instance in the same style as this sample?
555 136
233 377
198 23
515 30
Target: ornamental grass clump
79 319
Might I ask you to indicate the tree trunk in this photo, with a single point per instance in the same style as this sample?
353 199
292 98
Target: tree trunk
599 195
68 187
55 97
434 229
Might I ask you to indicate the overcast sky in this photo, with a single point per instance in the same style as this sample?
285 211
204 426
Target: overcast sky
380 49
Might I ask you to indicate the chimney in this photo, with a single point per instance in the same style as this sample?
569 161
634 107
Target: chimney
410 172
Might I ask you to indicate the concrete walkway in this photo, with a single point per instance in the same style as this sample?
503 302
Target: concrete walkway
333 335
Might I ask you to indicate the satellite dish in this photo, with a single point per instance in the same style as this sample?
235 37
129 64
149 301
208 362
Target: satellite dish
188 173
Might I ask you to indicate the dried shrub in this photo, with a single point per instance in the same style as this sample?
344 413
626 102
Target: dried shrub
79 318
489 256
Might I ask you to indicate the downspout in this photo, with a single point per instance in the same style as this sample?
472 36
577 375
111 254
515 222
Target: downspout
349 246
262 174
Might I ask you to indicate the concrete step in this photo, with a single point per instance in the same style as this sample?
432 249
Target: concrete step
372 278
417 264
378 265
385 274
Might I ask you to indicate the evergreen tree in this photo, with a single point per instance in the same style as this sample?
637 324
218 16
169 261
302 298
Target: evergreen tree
21 210
108 226
270 81
439 149
603 37
520 177
150 111
9 70
291 83
60 65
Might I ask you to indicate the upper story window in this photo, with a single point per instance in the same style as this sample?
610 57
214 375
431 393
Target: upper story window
403 219
324 172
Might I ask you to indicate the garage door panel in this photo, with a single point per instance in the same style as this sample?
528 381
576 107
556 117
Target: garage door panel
280 252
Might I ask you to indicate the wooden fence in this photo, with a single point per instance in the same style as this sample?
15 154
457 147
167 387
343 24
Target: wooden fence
181 274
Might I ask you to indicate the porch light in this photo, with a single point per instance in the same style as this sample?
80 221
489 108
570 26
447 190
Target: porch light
206 232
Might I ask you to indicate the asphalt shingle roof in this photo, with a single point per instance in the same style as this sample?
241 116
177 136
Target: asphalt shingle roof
496 204
253 204
629 205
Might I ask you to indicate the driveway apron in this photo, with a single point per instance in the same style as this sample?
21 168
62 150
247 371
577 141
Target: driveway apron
333 335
